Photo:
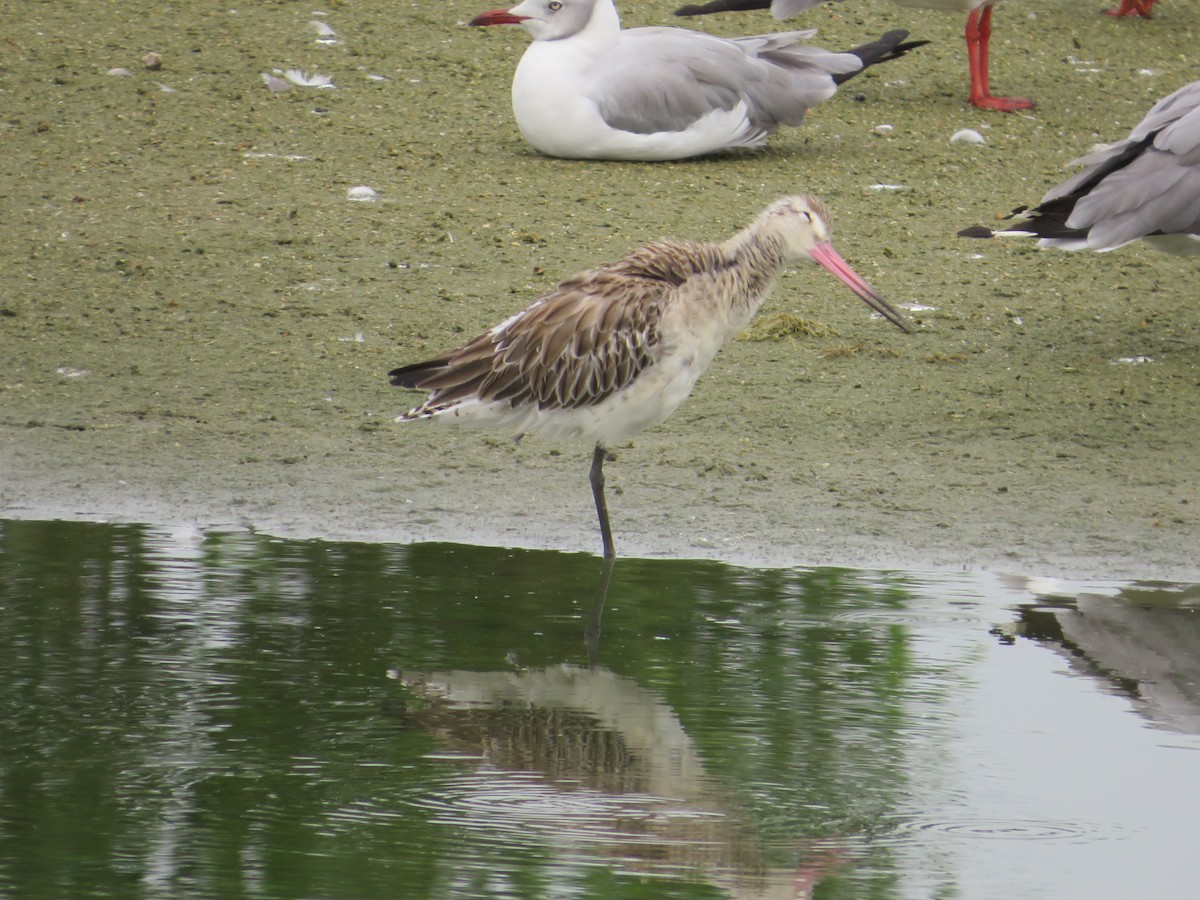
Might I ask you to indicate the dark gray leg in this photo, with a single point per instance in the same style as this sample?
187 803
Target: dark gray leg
597 479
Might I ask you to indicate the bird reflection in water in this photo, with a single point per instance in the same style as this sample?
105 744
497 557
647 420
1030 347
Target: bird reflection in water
586 762
1142 642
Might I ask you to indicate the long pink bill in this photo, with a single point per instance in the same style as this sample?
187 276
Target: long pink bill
497 17
827 258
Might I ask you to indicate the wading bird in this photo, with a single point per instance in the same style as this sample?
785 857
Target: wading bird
588 89
614 350
978 34
1146 187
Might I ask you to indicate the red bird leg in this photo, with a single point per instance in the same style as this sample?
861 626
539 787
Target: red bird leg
979 32
1132 8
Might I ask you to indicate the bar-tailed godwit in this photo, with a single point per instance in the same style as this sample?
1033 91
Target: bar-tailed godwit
614 350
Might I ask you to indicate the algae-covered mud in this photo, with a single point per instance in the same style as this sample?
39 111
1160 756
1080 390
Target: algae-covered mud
196 323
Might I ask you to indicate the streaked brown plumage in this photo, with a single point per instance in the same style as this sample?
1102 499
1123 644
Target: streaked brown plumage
614 350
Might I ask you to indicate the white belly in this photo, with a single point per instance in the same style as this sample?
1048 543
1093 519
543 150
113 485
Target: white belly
553 96
647 402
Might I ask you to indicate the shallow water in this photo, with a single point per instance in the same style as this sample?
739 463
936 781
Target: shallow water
192 713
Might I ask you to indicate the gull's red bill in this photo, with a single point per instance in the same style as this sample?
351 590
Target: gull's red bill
497 17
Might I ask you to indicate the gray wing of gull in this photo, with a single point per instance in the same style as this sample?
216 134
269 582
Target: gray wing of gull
1147 184
1174 117
664 79
785 9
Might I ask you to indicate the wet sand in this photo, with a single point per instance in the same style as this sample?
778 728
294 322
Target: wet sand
195 323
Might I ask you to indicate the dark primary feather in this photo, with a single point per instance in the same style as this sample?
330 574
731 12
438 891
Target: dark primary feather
718 6
413 376
888 47
1049 220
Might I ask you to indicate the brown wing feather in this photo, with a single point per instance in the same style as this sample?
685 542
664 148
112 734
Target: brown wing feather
588 338
594 338
671 261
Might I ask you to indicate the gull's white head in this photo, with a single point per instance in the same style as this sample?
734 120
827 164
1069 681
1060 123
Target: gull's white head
551 20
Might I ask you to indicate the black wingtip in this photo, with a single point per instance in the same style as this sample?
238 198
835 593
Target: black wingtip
977 231
720 6
409 376
887 47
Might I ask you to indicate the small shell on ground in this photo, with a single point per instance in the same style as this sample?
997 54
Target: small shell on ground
966 136
362 194
120 71
883 129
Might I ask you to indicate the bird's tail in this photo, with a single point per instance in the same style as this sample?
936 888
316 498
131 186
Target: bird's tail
891 46
414 376
780 9
1048 221
719 6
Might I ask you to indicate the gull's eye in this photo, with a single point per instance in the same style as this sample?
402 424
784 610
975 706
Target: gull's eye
554 5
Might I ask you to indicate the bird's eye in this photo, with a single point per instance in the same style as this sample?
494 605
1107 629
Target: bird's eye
554 6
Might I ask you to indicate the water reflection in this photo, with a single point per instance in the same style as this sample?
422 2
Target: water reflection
591 636
193 713
594 761
1143 642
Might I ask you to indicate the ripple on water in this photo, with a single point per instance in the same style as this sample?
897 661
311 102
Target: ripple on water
510 805
1007 830
913 617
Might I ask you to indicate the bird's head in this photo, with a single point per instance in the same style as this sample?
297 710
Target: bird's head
801 223
546 20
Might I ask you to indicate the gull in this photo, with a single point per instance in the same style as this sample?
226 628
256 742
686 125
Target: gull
614 350
1146 187
588 89
978 34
